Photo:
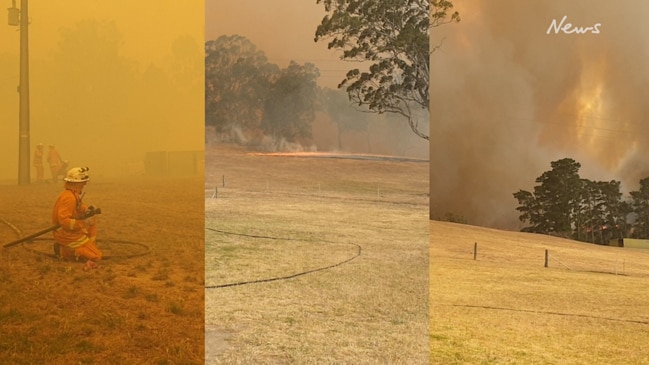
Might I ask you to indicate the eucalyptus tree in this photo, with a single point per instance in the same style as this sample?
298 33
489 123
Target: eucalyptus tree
289 108
392 36
238 78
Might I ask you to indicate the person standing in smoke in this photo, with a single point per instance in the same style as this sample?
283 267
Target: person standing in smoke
76 237
38 163
63 169
55 162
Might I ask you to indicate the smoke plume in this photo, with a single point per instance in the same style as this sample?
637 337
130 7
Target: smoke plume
512 92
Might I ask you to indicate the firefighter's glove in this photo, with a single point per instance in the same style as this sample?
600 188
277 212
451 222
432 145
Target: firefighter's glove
90 220
91 215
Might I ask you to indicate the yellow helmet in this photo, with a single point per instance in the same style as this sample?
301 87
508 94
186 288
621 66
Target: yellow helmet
77 174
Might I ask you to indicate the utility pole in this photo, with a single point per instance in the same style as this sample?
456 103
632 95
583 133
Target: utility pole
20 18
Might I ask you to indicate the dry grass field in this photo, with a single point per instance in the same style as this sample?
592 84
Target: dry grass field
134 309
282 216
589 306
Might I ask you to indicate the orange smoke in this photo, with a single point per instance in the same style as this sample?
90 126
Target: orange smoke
508 98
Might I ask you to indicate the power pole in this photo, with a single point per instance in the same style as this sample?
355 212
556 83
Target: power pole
21 19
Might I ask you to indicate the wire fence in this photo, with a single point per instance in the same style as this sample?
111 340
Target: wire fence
597 259
618 265
371 191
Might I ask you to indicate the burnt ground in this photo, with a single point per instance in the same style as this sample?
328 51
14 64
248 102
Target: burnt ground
145 303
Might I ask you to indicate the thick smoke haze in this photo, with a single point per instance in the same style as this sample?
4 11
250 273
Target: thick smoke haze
508 98
109 83
283 29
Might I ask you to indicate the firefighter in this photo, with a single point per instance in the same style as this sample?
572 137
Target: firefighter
55 161
64 168
76 236
38 162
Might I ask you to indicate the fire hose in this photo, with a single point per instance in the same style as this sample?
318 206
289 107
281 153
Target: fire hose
286 277
91 212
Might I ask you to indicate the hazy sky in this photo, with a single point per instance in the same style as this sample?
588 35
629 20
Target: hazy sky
106 81
149 29
283 29
509 98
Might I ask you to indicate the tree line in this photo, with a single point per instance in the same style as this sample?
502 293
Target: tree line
246 93
248 98
244 90
565 204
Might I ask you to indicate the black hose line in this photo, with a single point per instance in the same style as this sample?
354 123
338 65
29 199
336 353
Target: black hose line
146 250
548 312
255 236
357 254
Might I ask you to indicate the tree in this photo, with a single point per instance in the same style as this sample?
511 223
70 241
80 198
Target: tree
601 213
244 92
392 35
640 205
563 203
238 78
559 193
555 201
531 211
289 107
615 212
586 216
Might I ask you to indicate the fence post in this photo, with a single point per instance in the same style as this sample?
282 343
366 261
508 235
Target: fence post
223 180
546 258
475 250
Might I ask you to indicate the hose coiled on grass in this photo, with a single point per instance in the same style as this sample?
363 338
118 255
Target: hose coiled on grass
357 254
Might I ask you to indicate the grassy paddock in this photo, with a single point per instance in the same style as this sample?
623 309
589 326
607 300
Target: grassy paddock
370 310
141 310
507 308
